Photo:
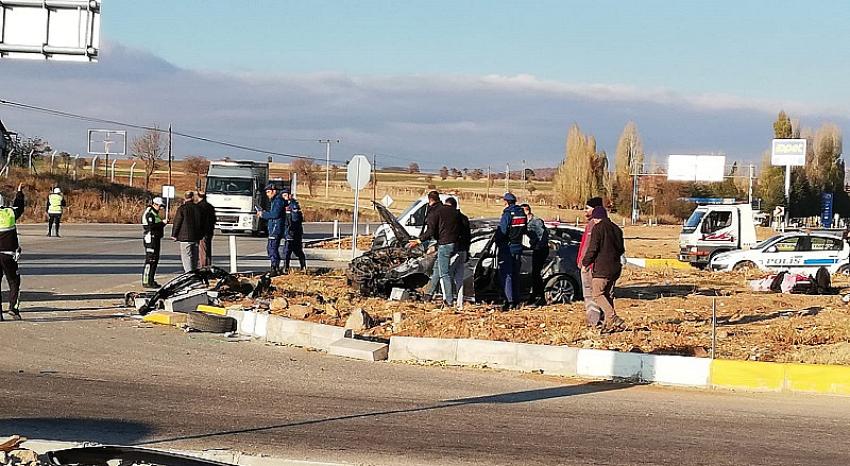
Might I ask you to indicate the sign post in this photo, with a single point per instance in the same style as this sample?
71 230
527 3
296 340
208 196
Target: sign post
167 194
788 153
826 210
358 174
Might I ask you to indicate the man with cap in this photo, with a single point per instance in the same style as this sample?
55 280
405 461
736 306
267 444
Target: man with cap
293 235
10 249
594 313
603 259
512 227
154 229
55 206
275 218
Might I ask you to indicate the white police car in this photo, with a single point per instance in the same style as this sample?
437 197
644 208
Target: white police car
795 252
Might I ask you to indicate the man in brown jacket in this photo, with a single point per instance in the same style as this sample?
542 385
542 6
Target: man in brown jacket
603 260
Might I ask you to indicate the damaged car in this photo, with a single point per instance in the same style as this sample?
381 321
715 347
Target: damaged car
398 265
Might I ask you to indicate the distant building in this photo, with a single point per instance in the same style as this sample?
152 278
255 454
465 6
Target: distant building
5 141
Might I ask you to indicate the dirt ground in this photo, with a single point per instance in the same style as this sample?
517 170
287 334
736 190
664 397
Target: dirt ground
666 311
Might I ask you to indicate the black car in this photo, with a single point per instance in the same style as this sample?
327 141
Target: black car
379 270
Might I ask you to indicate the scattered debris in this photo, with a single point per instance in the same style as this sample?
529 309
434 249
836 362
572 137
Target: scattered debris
359 320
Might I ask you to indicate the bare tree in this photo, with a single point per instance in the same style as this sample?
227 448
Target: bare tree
149 148
306 170
413 168
198 166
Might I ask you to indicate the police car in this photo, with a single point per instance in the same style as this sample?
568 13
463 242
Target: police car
795 252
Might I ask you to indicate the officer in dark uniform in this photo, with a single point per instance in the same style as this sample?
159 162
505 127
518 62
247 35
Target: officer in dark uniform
154 230
512 227
10 250
293 234
276 219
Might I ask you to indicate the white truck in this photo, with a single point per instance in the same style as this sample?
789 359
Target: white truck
235 189
713 229
412 219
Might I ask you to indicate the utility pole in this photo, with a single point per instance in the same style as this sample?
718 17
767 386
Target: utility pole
750 185
635 175
327 143
169 154
523 171
374 179
487 196
507 177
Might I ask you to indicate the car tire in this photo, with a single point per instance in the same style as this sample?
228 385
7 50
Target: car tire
844 269
560 289
212 323
744 265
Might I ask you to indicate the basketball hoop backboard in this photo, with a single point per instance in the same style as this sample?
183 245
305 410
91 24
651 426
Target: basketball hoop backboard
56 30
107 142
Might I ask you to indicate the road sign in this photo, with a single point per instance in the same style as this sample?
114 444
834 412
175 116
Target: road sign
696 167
168 192
826 210
359 172
67 30
387 201
788 152
107 142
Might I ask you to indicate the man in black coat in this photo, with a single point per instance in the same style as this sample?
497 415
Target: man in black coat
603 259
188 230
208 220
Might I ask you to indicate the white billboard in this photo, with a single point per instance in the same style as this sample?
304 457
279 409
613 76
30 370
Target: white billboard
788 152
63 30
696 167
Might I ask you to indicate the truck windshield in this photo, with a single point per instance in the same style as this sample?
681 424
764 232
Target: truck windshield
236 186
693 221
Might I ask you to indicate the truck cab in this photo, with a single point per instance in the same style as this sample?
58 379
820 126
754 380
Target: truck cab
412 219
713 229
235 189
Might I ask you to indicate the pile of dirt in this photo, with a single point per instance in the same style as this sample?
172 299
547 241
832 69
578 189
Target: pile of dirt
666 312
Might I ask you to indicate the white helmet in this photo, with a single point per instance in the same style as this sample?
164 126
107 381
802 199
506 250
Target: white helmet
56 190
157 200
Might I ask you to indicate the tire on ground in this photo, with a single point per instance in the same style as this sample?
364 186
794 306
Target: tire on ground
203 322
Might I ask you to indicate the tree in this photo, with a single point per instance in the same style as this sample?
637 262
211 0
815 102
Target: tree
198 166
306 170
582 174
413 168
21 149
476 174
149 148
444 172
628 159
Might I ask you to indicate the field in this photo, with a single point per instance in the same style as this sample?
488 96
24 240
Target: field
666 311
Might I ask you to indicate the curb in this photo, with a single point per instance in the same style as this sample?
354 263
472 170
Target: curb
658 263
283 330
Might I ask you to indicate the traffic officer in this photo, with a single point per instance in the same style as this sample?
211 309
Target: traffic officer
55 206
293 233
512 226
10 250
154 231
275 218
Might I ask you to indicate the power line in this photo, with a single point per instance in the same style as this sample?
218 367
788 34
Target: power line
63 114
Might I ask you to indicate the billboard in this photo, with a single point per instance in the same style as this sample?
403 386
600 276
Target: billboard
56 30
696 167
788 152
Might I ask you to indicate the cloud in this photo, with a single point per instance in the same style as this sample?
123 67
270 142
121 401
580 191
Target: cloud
469 121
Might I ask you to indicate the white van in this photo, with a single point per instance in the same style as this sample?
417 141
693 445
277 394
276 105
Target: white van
713 229
412 219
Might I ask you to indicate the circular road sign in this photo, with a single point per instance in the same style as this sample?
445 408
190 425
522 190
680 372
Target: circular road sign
359 172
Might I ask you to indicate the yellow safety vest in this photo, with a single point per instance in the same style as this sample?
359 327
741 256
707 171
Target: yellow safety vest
54 204
7 219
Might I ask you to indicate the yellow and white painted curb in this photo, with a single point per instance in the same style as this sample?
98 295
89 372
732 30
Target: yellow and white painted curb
658 263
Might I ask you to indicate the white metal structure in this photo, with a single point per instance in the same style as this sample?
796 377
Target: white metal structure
713 229
795 252
63 30
696 167
107 142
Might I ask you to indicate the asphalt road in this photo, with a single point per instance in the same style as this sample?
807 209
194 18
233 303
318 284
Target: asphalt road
84 375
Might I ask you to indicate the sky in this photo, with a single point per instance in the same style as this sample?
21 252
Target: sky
466 84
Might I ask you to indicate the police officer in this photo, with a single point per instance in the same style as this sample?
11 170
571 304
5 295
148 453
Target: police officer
55 207
509 235
154 230
275 218
293 233
10 250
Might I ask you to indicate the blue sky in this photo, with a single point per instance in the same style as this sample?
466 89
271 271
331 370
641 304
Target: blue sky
482 82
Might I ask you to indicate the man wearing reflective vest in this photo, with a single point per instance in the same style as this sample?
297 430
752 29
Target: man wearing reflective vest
10 250
154 229
512 227
55 207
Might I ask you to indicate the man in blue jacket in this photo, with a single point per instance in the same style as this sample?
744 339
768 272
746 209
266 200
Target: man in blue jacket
275 218
512 227
293 235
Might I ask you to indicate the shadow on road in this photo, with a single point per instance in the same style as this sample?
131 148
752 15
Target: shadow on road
108 431
502 398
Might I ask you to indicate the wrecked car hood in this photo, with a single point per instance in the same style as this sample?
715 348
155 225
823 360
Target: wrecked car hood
388 218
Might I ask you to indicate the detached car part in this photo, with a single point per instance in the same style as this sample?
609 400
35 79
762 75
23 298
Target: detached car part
103 455
190 280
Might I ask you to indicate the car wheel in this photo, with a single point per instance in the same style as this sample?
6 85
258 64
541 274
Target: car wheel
560 289
744 265
844 269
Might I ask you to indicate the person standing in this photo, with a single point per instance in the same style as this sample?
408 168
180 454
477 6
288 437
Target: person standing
603 258
512 227
593 312
55 207
538 236
154 229
188 231
293 235
464 238
275 218
10 250
208 221
429 236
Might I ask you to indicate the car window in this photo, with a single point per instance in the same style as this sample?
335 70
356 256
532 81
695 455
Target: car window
786 245
418 217
477 245
826 244
716 221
